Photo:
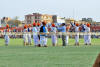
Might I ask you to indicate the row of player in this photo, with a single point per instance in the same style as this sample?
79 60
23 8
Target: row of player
41 39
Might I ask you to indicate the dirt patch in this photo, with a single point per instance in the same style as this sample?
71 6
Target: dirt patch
97 62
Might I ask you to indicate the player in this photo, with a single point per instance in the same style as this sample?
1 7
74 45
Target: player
67 36
29 34
6 37
38 29
25 35
53 36
35 35
43 34
88 35
77 34
63 30
84 28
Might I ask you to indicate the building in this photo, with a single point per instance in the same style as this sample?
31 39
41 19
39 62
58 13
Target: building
57 19
60 20
54 18
36 17
69 20
30 18
47 18
87 20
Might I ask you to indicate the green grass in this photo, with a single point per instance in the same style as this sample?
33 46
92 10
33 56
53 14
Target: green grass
16 55
19 42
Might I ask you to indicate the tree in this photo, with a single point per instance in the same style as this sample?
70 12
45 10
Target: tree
17 22
14 23
16 18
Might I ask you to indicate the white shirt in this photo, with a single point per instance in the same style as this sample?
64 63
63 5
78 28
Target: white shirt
38 29
34 30
53 29
76 29
87 29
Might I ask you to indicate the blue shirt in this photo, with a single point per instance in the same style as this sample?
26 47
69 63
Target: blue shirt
29 29
44 31
62 29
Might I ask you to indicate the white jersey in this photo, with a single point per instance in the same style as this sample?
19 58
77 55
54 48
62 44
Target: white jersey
87 37
53 29
7 38
76 29
53 36
29 35
34 30
77 34
38 29
6 33
88 29
25 35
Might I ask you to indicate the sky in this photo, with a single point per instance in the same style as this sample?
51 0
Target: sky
76 9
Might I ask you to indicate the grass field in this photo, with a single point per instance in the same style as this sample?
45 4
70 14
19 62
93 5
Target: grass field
16 55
